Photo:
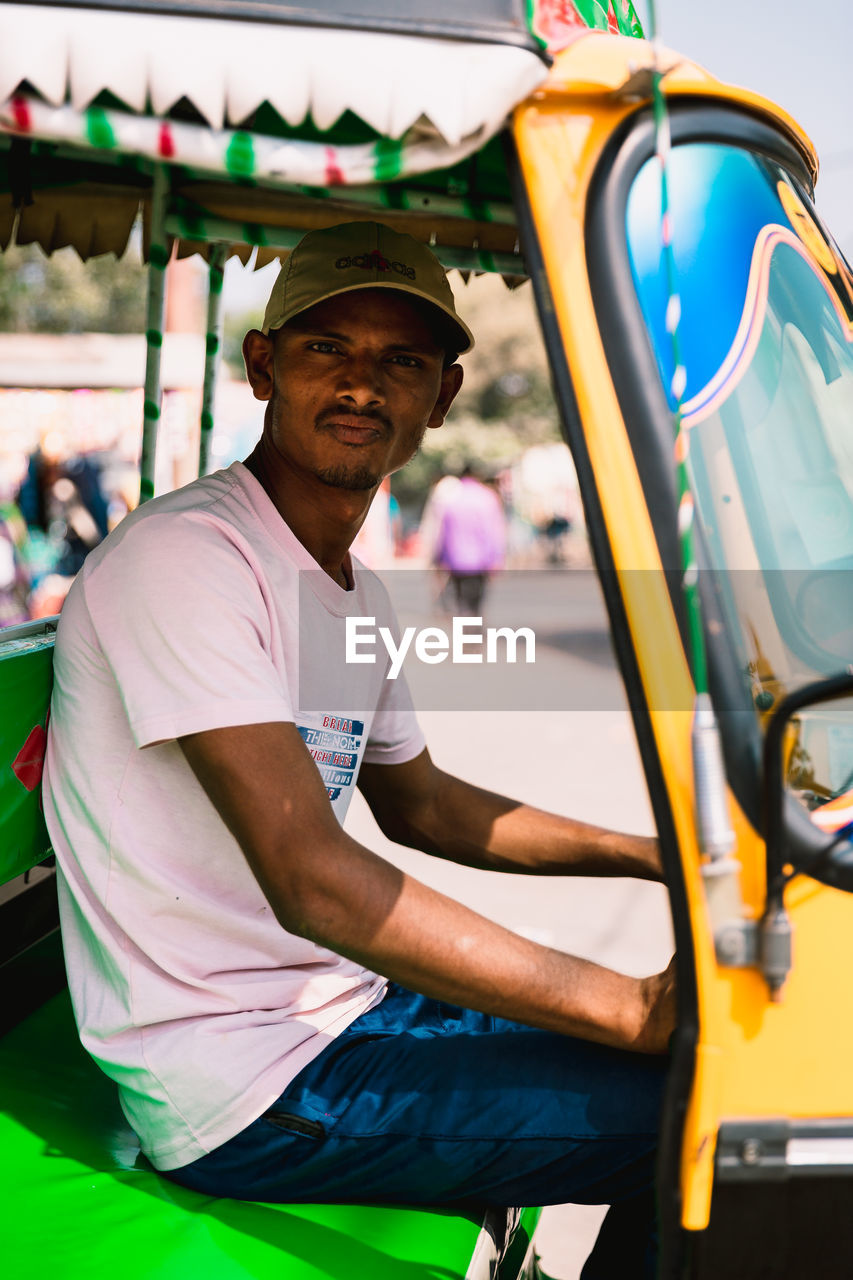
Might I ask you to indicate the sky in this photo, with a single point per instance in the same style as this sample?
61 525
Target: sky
799 54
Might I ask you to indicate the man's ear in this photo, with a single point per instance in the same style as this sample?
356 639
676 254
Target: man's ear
258 356
451 381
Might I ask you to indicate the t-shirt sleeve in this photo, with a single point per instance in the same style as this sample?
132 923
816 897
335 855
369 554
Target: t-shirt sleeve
395 735
181 617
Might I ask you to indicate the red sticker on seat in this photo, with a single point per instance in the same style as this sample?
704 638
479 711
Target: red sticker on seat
28 764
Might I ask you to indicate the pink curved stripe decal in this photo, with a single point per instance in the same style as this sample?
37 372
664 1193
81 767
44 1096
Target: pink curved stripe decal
749 331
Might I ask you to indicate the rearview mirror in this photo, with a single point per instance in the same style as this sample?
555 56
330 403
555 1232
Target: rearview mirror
793 839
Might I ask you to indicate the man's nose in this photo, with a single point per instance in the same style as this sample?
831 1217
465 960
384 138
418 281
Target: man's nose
361 381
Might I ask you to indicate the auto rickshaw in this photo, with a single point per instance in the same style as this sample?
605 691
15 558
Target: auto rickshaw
697 316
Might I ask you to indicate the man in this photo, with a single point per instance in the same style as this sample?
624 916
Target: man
470 541
224 935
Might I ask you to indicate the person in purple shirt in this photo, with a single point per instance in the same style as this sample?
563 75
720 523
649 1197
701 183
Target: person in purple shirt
471 540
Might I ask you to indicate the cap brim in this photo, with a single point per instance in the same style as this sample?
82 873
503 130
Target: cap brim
463 338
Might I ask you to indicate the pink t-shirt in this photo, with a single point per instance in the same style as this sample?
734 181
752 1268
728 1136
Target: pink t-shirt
201 610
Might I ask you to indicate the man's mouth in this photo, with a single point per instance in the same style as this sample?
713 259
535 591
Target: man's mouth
354 428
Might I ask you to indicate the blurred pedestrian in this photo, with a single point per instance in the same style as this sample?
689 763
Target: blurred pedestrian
62 501
470 541
14 579
431 516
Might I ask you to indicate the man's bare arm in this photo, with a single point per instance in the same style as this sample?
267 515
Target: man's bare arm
327 887
421 806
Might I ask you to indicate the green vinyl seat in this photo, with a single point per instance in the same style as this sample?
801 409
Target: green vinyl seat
80 1200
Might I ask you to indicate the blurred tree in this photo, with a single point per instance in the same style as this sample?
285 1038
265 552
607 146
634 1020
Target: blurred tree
237 325
62 294
467 437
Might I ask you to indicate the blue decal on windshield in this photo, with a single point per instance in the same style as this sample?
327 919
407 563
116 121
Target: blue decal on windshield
721 199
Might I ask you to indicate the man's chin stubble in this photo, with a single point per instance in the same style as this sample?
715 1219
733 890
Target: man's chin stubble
356 479
359 479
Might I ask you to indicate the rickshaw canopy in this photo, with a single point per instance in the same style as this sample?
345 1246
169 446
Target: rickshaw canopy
358 103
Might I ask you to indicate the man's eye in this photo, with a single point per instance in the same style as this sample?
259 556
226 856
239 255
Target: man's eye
323 347
408 362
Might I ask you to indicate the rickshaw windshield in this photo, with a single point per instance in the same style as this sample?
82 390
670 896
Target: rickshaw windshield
765 340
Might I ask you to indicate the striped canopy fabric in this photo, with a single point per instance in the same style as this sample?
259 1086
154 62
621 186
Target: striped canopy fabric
227 69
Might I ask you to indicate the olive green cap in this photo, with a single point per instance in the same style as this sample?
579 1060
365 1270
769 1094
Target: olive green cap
362 255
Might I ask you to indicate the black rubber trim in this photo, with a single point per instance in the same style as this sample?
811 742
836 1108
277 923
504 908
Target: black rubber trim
683 1046
638 386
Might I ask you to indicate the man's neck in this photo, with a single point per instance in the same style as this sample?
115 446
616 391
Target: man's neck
325 519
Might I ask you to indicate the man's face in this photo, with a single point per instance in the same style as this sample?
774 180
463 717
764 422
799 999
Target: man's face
353 384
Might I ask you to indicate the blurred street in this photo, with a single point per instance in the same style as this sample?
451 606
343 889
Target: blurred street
583 763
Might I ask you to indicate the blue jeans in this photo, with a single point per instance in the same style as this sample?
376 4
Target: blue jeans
420 1102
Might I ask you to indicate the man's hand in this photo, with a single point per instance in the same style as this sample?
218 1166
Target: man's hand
659 996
